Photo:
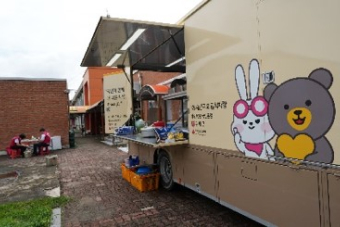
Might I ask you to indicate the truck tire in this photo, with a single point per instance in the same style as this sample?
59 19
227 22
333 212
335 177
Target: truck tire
165 169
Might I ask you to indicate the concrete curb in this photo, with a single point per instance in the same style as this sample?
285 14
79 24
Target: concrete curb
56 212
56 217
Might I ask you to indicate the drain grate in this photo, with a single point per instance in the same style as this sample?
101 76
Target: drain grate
9 175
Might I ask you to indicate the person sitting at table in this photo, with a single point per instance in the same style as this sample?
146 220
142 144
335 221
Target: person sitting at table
16 143
44 141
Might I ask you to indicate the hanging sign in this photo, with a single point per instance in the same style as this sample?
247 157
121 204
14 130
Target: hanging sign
117 100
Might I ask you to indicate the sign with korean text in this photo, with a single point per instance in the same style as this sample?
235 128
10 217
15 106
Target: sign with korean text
117 100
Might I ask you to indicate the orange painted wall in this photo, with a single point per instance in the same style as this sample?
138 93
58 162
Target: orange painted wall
93 90
94 79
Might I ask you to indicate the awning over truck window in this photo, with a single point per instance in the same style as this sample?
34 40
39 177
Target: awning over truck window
178 89
136 44
149 92
180 81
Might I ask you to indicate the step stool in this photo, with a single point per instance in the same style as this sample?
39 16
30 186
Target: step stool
44 150
13 153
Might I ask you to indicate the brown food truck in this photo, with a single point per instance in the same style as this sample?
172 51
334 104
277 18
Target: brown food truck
262 87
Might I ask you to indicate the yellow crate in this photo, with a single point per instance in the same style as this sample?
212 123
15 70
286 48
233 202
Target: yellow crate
144 183
126 172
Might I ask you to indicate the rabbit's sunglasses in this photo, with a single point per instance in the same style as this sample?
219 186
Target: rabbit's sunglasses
259 106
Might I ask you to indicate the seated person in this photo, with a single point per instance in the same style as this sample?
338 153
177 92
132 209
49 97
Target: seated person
16 143
83 130
44 141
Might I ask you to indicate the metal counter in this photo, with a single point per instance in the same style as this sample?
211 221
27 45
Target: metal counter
151 141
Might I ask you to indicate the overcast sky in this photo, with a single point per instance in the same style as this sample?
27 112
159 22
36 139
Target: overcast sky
48 38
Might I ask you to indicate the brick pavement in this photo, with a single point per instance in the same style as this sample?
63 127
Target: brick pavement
91 176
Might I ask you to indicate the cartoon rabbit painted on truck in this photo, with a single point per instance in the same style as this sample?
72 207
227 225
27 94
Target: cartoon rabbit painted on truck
250 126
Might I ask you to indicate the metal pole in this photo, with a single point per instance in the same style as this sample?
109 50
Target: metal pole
132 118
165 111
182 105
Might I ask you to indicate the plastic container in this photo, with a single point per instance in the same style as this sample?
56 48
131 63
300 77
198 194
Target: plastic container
28 154
159 124
126 172
143 170
148 132
133 161
144 183
169 125
161 134
124 130
127 162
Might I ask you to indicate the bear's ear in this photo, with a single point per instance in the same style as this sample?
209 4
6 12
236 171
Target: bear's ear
269 90
323 76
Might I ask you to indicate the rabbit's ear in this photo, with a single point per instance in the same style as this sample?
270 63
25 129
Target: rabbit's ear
241 82
254 78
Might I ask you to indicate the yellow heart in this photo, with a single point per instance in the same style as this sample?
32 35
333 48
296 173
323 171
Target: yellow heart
298 147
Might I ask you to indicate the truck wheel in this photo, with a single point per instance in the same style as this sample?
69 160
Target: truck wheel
165 169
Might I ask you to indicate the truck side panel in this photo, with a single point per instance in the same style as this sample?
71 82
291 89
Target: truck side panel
291 39
334 198
199 169
273 192
241 51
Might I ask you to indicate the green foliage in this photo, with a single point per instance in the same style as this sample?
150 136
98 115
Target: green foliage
33 213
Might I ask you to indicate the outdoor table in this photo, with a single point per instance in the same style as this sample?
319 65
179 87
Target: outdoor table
29 142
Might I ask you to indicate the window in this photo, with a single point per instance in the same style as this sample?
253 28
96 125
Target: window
152 104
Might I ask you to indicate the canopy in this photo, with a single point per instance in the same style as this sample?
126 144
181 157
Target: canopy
94 106
180 81
173 94
78 109
136 44
149 92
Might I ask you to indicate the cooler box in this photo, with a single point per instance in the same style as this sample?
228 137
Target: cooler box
55 143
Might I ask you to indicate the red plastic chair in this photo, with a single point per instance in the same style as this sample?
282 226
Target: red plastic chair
44 150
13 153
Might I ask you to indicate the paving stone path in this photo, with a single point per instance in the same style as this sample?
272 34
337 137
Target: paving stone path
90 174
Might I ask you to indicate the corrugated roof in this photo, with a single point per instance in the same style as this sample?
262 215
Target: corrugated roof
150 91
155 49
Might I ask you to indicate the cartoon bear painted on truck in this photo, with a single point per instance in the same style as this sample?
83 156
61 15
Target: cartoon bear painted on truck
301 112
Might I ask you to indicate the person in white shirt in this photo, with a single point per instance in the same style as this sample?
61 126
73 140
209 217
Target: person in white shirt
44 141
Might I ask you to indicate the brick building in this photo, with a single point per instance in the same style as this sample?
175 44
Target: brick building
29 104
151 109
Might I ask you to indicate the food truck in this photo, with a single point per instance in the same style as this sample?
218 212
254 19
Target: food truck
262 89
